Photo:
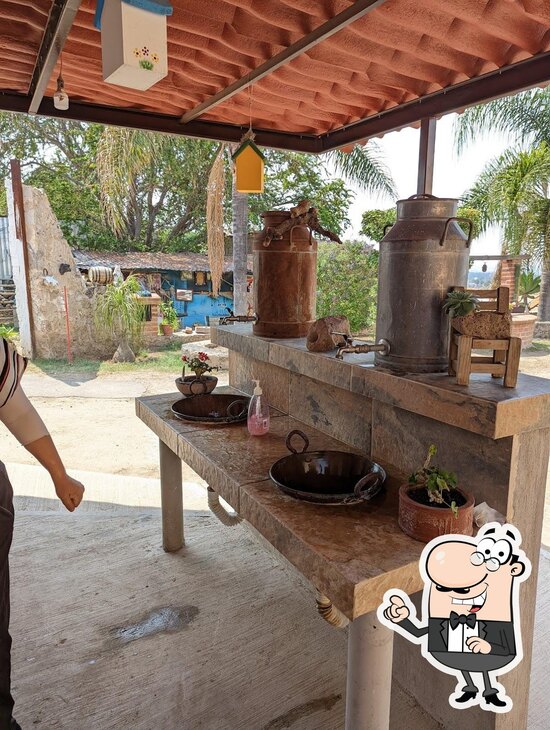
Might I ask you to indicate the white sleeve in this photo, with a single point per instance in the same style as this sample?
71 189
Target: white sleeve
22 419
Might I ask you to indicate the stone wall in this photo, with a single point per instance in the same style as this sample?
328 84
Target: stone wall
47 251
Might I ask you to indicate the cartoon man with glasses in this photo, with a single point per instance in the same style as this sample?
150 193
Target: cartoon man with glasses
471 595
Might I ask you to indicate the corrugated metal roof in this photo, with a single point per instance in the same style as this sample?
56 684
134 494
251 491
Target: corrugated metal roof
148 261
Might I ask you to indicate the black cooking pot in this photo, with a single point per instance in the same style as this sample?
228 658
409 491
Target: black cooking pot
326 477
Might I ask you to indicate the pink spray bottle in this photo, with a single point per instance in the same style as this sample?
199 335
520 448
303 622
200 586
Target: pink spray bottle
258 413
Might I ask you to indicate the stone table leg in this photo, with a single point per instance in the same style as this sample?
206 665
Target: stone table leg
368 694
171 494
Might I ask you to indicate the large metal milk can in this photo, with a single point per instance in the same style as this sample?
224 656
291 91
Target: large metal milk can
285 280
424 254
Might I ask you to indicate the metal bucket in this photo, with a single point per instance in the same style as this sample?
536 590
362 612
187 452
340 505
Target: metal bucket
285 280
422 256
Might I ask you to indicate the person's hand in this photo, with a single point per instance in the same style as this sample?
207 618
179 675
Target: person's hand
477 645
70 491
397 611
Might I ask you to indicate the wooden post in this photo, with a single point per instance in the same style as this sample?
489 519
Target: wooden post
370 656
171 495
426 153
21 233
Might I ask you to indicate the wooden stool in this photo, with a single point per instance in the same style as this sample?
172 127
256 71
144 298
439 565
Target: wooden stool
504 361
506 351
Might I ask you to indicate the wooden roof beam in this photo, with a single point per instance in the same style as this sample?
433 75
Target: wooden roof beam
59 24
354 12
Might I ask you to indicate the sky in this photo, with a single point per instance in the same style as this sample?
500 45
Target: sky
453 175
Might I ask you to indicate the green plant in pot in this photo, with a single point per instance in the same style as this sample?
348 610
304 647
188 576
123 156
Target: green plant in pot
200 382
170 320
431 504
463 308
528 287
120 316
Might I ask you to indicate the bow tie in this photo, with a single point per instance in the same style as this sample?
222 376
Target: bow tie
469 620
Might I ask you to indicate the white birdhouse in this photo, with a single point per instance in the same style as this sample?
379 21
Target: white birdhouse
133 41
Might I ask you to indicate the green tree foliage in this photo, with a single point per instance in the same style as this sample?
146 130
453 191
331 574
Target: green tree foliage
512 190
291 177
346 282
373 222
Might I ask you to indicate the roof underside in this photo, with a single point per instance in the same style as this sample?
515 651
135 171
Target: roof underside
400 61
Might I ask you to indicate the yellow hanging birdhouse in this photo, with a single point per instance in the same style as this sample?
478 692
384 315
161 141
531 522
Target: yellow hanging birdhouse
249 168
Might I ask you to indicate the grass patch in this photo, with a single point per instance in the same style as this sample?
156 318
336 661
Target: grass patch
163 361
541 345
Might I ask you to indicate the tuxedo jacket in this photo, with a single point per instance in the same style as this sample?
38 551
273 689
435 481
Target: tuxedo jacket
500 634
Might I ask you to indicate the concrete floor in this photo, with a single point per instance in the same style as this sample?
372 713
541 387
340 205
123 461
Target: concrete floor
111 632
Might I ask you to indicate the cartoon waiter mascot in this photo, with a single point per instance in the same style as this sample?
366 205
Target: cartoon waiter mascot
470 606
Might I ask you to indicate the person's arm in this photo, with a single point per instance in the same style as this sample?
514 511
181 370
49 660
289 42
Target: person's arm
22 419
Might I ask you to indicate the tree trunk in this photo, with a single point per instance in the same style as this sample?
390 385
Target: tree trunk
544 305
239 207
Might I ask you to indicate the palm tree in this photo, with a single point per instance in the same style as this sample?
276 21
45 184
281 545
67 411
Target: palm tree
513 189
365 168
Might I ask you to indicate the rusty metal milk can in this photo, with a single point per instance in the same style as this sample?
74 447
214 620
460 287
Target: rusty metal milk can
285 280
424 254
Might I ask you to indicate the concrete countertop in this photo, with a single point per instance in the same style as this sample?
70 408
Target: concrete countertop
483 407
352 554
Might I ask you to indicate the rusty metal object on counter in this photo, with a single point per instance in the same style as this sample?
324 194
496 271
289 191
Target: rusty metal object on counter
382 346
300 215
329 612
327 333
226 518
213 408
285 285
326 477
422 256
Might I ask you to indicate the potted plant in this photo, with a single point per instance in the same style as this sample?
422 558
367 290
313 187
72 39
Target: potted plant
170 319
467 319
431 504
199 382
120 315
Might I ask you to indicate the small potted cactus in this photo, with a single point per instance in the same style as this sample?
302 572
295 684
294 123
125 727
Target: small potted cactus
467 319
198 383
431 504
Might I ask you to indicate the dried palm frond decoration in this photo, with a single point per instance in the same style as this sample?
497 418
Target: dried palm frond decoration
214 220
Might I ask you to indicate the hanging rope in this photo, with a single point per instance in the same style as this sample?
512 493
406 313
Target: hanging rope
214 220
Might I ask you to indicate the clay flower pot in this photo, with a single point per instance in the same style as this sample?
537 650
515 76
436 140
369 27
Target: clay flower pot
484 325
167 329
191 385
424 522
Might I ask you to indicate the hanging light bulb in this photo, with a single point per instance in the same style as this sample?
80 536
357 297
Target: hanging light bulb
484 267
61 98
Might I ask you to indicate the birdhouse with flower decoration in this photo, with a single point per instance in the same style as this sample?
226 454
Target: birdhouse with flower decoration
134 42
249 168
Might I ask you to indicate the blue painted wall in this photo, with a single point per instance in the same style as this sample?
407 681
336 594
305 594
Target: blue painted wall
202 305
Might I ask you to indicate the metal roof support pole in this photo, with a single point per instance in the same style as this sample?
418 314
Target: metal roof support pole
426 155
21 233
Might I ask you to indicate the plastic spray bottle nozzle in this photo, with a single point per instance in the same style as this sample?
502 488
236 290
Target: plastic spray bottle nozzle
257 389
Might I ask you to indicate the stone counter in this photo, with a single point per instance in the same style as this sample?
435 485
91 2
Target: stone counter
496 439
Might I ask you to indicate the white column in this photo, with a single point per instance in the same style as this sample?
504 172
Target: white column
171 493
368 694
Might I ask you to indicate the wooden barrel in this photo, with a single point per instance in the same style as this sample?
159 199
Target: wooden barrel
285 280
100 275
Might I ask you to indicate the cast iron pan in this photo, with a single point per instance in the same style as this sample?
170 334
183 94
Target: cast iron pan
212 408
326 477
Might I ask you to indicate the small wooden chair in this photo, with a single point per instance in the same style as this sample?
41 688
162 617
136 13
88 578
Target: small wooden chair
504 361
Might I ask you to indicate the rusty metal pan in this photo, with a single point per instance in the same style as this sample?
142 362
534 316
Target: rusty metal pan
326 477
212 408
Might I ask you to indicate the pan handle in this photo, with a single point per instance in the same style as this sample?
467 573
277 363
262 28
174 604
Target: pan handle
368 486
302 435
231 406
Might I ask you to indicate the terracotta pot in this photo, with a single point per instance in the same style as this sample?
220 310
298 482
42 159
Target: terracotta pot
167 329
423 522
191 385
